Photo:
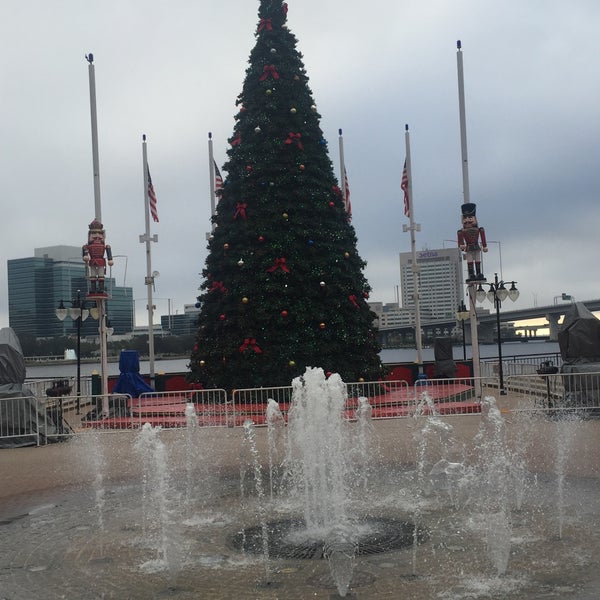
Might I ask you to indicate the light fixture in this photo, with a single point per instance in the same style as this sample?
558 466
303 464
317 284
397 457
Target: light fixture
513 292
480 294
61 312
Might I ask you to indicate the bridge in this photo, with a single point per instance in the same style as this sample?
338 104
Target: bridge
487 324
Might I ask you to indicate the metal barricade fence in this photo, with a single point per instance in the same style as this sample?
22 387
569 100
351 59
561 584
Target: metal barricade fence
210 408
558 392
19 419
387 399
109 412
250 404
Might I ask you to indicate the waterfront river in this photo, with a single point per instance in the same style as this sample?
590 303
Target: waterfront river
389 355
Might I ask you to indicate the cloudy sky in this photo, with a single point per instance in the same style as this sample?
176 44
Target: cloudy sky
172 69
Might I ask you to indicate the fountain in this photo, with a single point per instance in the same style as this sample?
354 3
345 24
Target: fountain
504 504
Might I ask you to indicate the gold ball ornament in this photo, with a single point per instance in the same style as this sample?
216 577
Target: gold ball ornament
226 246
244 300
346 254
322 325
293 110
292 363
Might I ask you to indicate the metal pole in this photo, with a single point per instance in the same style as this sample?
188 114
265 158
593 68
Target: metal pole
499 335
413 245
463 125
149 277
77 406
463 340
95 161
466 199
103 354
211 174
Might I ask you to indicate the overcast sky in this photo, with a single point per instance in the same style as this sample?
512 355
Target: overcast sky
172 69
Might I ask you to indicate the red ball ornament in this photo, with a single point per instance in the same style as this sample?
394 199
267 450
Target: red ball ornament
248 168
222 317
301 167
328 374
322 325
331 203
284 313
225 246
261 239
365 294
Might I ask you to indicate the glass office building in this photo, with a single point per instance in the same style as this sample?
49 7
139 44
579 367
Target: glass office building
441 282
37 285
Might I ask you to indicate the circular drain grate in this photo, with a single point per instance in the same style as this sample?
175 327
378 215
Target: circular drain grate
285 539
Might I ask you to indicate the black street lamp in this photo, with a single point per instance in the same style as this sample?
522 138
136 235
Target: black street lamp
78 313
462 314
497 294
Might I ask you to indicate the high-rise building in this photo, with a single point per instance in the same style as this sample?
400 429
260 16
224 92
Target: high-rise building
181 324
441 282
37 285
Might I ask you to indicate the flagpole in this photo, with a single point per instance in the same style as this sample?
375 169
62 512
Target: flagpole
149 280
211 170
342 164
471 286
413 227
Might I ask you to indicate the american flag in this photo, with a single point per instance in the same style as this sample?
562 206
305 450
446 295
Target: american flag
347 202
218 181
404 186
152 199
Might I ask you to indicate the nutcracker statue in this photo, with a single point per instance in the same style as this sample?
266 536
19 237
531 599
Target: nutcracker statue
471 240
95 263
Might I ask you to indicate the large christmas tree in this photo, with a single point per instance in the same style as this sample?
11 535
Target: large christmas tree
283 285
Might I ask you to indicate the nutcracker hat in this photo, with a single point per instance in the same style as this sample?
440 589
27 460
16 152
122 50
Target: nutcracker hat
468 209
95 225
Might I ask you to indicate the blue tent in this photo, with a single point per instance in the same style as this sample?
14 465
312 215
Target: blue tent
130 381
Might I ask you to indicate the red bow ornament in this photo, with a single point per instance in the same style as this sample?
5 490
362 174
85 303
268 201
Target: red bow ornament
240 210
265 24
269 70
279 264
294 137
352 299
217 286
250 343
237 140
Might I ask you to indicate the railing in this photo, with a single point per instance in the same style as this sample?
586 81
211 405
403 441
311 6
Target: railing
557 393
26 420
40 421
207 408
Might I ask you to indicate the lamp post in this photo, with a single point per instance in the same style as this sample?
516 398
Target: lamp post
78 313
497 294
462 314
